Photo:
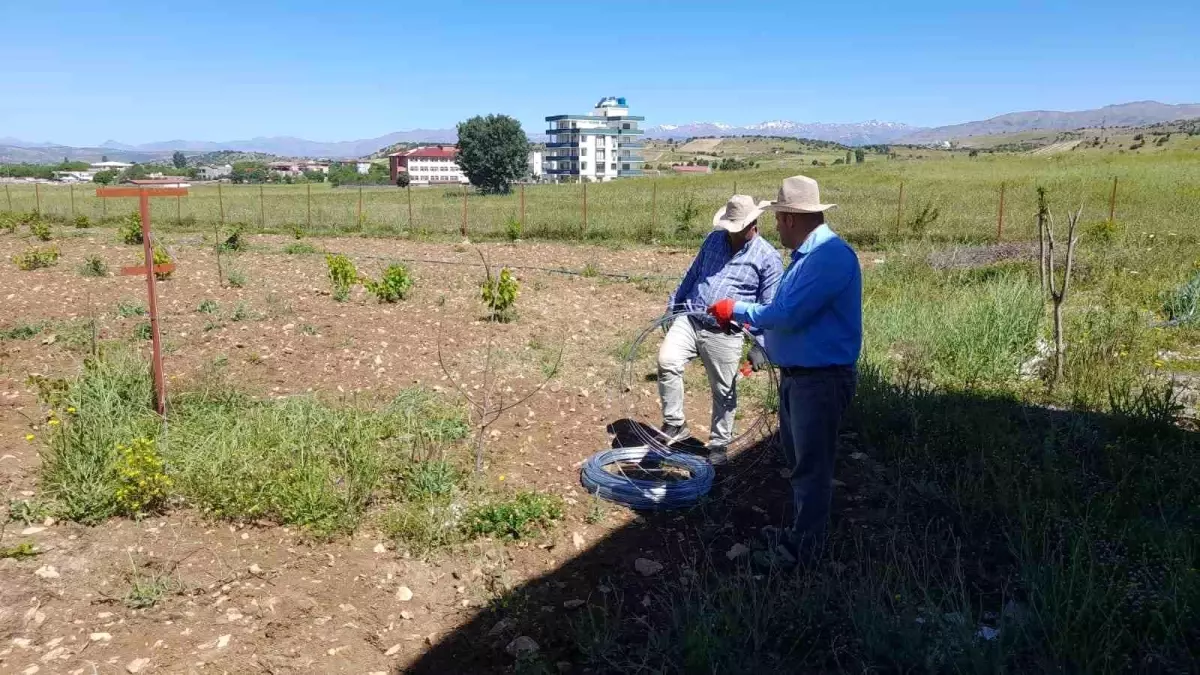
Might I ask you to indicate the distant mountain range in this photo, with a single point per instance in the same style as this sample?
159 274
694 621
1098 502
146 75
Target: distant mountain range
863 133
1136 114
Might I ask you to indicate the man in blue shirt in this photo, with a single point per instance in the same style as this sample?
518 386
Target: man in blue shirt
813 333
733 262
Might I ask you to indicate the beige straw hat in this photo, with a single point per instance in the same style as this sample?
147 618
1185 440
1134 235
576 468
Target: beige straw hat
799 194
738 213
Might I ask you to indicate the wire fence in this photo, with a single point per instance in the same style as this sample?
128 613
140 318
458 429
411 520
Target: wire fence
645 209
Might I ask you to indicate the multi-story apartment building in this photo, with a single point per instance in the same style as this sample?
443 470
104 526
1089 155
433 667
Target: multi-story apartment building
599 146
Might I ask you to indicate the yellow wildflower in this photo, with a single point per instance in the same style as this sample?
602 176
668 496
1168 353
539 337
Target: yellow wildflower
29 437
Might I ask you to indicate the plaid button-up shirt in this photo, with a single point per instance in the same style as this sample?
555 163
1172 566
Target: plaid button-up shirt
749 275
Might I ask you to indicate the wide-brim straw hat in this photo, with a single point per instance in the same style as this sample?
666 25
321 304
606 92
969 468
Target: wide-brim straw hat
738 213
799 194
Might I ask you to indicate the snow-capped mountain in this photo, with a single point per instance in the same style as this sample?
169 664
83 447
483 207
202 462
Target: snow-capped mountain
860 133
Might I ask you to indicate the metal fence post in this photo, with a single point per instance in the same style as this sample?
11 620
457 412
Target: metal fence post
360 220
1112 202
8 195
308 204
1000 218
899 207
262 209
37 193
585 227
408 189
221 203
464 216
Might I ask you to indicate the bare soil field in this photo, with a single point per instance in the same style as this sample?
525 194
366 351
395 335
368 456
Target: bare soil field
255 597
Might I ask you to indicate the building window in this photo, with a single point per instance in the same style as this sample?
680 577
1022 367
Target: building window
583 152
583 166
625 125
624 167
614 165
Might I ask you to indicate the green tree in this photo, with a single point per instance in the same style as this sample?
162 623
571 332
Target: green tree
104 177
493 152
402 179
249 172
860 156
178 160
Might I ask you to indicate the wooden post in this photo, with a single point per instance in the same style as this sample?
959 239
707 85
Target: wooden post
735 187
308 204
522 205
143 194
103 209
585 208
464 216
408 189
160 394
37 193
262 209
72 186
8 195
1112 202
221 202
1000 218
178 210
899 207
359 207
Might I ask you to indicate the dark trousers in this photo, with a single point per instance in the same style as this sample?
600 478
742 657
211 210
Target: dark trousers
811 404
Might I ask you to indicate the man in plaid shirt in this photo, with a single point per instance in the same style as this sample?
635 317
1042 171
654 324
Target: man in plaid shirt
734 262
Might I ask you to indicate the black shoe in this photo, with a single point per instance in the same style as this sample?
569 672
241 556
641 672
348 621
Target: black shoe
717 456
673 433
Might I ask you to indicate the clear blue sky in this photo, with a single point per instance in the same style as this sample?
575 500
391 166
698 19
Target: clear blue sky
340 71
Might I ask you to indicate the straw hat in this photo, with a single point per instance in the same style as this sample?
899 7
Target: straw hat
799 194
738 213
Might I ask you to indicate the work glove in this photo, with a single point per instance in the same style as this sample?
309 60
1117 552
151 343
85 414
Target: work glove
758 358
722 311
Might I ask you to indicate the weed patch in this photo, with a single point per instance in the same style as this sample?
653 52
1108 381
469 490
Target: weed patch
516 517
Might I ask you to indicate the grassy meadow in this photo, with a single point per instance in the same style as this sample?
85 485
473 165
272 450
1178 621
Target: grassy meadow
1156 194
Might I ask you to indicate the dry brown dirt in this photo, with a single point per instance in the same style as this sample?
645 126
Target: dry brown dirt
261 598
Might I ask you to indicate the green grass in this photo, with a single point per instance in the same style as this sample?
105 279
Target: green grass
1156 192
298 461
21 331
128 308
515 517
94 266
299 248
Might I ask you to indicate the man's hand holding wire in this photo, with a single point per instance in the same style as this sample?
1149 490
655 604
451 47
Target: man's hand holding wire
722 311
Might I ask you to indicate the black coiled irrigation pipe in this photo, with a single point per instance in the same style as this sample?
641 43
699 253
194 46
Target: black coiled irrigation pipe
654 453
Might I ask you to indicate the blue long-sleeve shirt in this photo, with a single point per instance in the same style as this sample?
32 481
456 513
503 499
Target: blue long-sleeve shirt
752 273
816 318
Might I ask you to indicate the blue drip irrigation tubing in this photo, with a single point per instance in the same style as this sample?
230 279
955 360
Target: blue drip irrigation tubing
638 493
647 494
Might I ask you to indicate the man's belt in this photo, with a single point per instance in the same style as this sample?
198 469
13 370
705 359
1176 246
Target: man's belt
794 371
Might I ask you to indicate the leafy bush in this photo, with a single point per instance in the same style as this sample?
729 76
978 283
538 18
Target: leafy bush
512 229
162 257
9 221
143 331
81 221
500 295
208 306
1104 230
342 274
299 248
234 241
393 286
94 266
36 258
39 227
514 518
1181 305
129 229
142 482
126 309
926 216
236 278
687 214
